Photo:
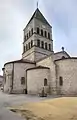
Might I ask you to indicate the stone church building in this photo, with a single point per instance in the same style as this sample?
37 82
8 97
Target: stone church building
40 68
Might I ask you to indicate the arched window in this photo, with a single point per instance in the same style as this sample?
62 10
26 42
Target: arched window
45 34
42 44
38 43
50 47
32 31
45 82
29 33
22 80
5 78
24 49
41 32
38 31
25 38
46 46
31 43
60 81
48 35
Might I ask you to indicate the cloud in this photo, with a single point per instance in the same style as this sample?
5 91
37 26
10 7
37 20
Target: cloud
14 15
62 15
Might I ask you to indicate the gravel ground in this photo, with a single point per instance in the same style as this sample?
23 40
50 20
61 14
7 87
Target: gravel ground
8 100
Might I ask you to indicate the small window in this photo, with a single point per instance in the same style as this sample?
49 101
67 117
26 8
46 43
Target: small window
28 46
41 32
29 33
45 34
24 49
5 78
32 31
50 47
31 43
22 80
46 46
38 31
38 43
60 81
48 35
45 82
42 44
25 38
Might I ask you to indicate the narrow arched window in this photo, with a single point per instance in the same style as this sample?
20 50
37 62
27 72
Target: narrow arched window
45 34
32 31
50 47
41 32
24 49
45 82
42 44
38 43
48 35
22 80
5 78
38 31
29 33
46 46
24 38
60 81
31 43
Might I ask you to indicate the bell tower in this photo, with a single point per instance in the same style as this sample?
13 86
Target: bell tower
38 41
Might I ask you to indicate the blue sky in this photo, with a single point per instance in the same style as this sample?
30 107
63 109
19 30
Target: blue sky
14 15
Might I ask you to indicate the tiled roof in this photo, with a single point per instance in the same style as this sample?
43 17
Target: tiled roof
62 52
67 58
38 15
20 61
38 67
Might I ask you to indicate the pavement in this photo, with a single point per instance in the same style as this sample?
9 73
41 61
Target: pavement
8 100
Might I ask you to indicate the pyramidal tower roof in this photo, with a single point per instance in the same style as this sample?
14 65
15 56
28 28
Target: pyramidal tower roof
38 15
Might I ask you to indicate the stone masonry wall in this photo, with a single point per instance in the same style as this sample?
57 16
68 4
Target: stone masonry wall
35 80
67 69
48 62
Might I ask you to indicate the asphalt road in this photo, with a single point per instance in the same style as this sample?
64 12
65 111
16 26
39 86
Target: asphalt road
7 100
